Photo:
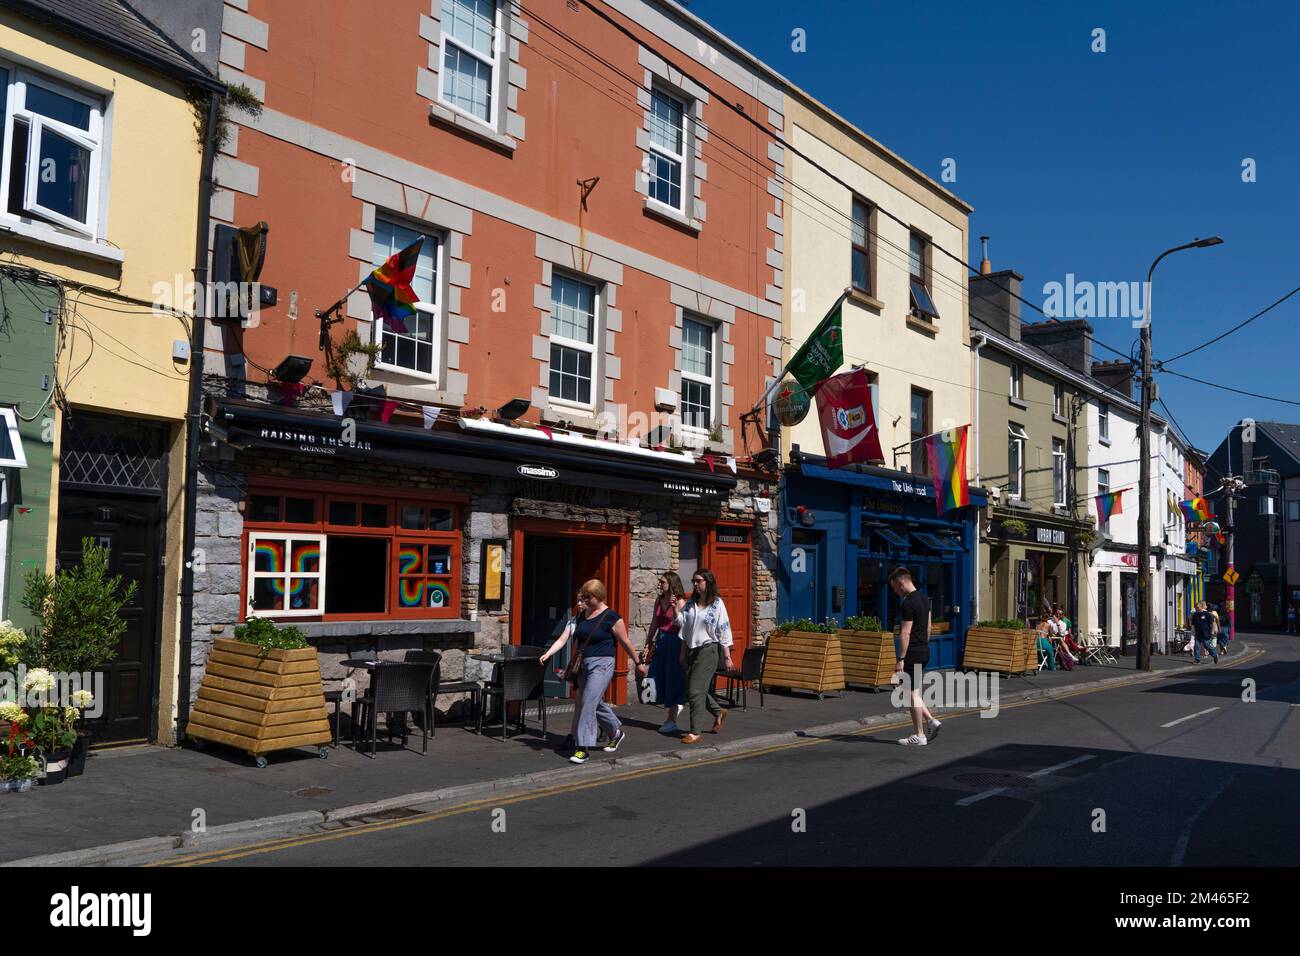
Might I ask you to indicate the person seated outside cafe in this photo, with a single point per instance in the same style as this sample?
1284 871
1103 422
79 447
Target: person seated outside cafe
1060 626
1045 644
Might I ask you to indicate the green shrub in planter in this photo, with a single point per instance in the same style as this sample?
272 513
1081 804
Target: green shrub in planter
860 623
1009 625
804 624
262 633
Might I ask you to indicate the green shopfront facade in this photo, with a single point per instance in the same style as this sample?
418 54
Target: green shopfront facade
844 530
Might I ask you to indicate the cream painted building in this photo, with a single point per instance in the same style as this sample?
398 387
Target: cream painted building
102 171
861 221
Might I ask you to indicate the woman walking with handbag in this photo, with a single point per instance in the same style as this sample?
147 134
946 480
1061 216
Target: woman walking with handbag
591 668
706 641
661 656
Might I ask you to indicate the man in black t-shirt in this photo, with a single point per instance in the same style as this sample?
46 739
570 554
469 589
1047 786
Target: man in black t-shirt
914 654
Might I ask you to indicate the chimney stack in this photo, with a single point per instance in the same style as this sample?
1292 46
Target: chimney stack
986 267
1069 342
1116 375
994 300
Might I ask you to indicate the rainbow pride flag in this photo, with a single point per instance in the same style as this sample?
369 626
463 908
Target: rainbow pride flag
945 453
1196 509
1109 504
391 295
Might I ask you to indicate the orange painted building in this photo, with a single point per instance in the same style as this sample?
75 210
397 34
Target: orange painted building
596 185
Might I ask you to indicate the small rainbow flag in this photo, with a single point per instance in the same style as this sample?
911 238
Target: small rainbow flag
391 295
1196 509
945 453
1109 504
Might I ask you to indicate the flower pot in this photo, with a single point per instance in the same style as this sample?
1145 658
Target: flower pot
55 767
17 786
77 762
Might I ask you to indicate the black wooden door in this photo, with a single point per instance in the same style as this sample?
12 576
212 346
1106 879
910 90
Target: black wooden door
129 528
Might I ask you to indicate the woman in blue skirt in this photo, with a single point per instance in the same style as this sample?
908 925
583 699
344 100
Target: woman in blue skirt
660 658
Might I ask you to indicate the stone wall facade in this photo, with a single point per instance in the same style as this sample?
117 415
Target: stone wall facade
493 504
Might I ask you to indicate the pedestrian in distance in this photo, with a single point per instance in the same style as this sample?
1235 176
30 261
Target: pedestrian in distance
1290 618
597 630
914 654
706 641
660 659
1203 626
1222 632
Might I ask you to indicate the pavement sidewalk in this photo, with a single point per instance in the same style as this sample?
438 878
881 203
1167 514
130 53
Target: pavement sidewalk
156 794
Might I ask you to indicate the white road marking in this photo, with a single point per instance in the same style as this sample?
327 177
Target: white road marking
1062 766
967 801
1199 713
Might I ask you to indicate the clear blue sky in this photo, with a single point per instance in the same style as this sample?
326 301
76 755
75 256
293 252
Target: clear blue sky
1092 163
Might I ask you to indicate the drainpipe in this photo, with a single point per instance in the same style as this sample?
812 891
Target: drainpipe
194 423
978 341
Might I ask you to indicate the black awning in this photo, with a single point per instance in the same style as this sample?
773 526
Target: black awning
245 424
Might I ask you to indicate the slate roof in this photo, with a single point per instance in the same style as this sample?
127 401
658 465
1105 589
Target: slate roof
1286 437
112 25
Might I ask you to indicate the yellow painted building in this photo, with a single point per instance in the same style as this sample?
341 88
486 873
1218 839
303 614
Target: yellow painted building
102 174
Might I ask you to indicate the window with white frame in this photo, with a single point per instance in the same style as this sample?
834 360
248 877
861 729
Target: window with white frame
1103 421
53 150
471 57
1058 471
698 351
12 454
573 341
415 348
285 573
1016 384
1016 439
1058 398
667 157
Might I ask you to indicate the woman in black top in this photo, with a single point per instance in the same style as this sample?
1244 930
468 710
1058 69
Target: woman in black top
597 630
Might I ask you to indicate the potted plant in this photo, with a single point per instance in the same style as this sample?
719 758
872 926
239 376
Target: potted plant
805 655
54 734
17 773
261 692
998 645
1015 527
18 768
868 652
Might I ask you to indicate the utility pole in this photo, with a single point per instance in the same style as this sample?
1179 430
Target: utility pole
1146 622
1231 485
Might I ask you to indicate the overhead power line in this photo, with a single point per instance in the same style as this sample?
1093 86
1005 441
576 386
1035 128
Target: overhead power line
1235 328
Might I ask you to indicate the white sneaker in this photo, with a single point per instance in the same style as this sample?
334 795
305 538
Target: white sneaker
916 740
669 727
932 729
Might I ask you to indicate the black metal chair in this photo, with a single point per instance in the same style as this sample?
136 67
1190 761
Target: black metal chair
523 678
433 658
750 670
334 696
395 688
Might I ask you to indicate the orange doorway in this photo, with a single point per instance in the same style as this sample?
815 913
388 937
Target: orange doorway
725 548
551 559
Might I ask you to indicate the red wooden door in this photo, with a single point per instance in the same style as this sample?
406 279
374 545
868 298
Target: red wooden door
732 569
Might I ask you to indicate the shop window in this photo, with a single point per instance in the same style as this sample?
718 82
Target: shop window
368 556
690 544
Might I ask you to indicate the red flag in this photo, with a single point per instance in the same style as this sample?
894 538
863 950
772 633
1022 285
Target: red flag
387 409
848 420
550 436
708 460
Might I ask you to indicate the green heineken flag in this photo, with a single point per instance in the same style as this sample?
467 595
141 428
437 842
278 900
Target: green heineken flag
823 352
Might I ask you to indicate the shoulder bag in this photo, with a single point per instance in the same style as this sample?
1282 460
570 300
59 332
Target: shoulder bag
572 672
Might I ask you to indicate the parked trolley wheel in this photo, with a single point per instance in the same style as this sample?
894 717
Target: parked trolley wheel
260 762
198 743
323 753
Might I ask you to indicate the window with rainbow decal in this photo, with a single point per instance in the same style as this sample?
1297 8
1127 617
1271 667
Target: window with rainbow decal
286 574
318 552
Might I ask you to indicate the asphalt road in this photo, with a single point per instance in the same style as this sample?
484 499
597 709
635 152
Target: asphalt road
1178 771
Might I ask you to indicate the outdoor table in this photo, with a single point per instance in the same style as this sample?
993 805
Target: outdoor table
497 658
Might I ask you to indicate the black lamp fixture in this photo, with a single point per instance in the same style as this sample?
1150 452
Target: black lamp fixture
512 409
293 369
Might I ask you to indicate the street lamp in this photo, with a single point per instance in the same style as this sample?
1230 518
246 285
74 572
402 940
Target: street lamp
1146 623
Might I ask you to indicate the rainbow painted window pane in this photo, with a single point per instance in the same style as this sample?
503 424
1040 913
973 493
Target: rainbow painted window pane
296 582
424 575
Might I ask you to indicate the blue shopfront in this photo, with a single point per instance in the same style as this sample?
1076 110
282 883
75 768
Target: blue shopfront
844 530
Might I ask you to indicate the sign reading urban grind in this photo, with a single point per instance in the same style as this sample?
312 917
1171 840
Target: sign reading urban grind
1050 535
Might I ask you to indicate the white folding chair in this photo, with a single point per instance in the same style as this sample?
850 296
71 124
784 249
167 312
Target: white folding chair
1100 648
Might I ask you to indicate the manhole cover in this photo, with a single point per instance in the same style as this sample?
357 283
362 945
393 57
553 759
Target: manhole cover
1011 781
312 792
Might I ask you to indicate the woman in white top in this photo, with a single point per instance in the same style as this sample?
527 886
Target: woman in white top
706 641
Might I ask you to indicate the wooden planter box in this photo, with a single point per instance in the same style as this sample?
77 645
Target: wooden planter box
1004 649
804 660
868 657
260 704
